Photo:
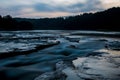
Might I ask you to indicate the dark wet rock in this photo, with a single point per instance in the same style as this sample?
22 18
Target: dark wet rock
86 68
17 51
60 65
103 34
95 54
58 42
72 39
55 75
72 46
46 76
103 40
51 76
114 45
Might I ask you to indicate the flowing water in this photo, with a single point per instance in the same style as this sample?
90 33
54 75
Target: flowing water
28 66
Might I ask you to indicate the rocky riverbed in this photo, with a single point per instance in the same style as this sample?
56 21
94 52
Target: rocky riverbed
59 55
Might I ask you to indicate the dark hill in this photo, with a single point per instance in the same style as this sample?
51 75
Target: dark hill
105 20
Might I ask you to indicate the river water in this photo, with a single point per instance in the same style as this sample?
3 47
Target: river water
28 66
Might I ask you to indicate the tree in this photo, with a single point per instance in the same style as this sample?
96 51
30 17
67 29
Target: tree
25 25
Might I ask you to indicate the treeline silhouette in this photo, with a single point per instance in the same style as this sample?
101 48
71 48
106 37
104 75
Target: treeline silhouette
9 23
104 20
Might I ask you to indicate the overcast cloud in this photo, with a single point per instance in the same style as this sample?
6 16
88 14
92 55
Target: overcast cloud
53 8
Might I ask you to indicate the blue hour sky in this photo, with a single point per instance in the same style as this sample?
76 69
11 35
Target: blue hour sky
53 8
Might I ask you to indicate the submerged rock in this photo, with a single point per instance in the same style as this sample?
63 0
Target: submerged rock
114 45
72 39
24 50
71 74
72 46
55 75
95 54
46 76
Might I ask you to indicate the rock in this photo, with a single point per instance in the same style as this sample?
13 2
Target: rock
55 75
100 68
103 40
27 50
52 76
114 45
73 39
60 65
95 54
72 46
71 74
46 76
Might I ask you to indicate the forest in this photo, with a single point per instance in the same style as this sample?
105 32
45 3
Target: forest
104 20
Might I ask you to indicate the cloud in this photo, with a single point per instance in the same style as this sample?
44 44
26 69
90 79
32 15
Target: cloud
53 8
110 3
44 7
87 6
45 14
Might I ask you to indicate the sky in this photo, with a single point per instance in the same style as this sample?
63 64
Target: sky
53 8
